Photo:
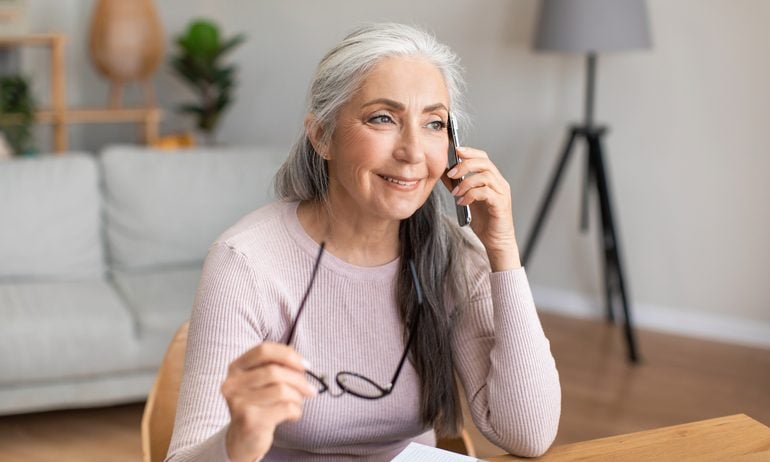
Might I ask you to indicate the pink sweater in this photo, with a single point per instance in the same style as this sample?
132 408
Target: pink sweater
252 283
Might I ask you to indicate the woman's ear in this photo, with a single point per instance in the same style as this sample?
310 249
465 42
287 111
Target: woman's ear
315 134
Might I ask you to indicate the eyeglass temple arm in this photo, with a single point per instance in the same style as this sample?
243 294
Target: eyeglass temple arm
412 333
307 292
413 329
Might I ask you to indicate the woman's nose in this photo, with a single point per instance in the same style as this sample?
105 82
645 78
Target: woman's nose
409 147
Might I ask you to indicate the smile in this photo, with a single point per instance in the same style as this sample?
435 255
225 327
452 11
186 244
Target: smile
406 183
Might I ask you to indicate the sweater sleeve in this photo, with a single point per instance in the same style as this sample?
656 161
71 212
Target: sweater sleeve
505 364
223 326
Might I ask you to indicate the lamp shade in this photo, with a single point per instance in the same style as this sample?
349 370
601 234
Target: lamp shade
590 26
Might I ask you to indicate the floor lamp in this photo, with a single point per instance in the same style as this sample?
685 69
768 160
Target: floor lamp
589 27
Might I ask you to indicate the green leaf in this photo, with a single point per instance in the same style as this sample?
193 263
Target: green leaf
223 102
230 44
196 62
191 109
16 98
203 39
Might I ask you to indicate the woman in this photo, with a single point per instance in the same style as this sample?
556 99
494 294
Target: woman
363 179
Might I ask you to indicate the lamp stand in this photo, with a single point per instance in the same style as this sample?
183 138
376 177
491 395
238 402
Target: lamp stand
596 176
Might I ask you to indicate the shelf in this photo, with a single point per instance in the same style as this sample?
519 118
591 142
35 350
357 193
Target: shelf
59 115
99 115
148 118
30 39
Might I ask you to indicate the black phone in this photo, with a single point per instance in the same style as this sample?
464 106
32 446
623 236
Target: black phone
463 211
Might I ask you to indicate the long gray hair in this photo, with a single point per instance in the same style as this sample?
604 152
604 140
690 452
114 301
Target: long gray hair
429 238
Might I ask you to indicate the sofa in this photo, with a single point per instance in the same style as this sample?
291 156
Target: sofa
100 256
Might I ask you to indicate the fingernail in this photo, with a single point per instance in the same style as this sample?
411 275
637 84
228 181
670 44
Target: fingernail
452 172
459 199
306 364
454 191
313 390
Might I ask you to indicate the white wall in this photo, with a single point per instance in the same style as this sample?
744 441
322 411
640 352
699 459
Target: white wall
689 147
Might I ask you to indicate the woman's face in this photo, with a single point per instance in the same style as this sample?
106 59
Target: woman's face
390 144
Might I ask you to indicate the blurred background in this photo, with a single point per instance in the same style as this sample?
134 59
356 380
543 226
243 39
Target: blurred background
689 149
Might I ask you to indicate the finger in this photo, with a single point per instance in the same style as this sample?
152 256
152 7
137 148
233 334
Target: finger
274 374
286 412
260 416
267 353
270 395
485 179
477 165
465 152
479 195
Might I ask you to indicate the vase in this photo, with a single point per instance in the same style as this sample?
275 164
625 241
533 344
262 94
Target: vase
126 44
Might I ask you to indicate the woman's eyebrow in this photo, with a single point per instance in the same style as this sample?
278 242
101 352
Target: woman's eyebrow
433 107
388 102
398 106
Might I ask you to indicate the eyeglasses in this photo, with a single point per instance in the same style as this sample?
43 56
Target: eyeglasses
351 382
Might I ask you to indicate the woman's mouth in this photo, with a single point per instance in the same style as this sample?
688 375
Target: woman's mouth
404 182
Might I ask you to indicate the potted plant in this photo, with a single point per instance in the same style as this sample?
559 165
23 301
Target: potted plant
199 63
17 113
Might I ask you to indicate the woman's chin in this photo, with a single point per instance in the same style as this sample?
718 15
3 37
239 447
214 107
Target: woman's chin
401 211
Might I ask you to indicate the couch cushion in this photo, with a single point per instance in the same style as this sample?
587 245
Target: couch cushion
60 330
50 218
105 390
165 209
159 300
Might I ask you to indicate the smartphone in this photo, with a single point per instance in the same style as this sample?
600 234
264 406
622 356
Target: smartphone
463 211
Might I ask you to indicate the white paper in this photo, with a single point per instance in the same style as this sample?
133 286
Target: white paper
417 452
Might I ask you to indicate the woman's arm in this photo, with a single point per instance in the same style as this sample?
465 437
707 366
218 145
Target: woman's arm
223 325
502 355
237 387
505 364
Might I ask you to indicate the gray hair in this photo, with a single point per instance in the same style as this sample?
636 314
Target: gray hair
339 75
433 241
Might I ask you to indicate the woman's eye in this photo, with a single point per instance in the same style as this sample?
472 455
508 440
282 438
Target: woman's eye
381 119
436 125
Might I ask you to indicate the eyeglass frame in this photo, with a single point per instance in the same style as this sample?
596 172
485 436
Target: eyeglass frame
339 378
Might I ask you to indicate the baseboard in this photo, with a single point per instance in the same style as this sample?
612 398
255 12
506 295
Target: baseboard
666 319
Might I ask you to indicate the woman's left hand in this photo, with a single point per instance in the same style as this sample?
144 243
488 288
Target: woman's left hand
489 196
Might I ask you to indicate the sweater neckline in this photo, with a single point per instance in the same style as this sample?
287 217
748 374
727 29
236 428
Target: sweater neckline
290 219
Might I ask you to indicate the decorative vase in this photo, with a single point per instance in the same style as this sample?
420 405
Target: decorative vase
126 45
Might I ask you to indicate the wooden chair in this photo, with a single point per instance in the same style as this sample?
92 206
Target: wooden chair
160 409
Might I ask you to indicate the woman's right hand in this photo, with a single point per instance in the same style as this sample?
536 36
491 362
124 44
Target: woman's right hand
264 387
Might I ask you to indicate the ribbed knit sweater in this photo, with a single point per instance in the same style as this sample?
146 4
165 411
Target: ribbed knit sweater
252 283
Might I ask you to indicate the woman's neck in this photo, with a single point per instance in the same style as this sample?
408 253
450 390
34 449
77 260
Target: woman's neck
354 239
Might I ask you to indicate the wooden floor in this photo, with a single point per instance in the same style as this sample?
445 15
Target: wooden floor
680 380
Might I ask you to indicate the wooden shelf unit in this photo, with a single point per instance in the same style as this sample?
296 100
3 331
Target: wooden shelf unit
59 115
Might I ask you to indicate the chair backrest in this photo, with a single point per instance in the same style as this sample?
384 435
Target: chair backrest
160 409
